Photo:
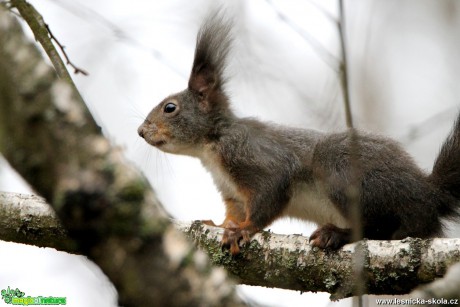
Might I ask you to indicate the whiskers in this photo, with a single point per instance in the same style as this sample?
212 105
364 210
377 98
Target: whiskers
154 163
136 115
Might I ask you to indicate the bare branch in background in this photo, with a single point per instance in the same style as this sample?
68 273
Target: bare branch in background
39 28
76 69
354 186
328 15
343 74
329 59
87 13
426 126
339 66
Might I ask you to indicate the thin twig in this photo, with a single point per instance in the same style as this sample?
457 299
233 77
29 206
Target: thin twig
355 171
77 70
427 126
328 15
329 59
36 23
45 37
344 67
87 13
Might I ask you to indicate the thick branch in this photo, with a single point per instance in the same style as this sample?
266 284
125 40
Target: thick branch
446 288
271 260
289 262
30 220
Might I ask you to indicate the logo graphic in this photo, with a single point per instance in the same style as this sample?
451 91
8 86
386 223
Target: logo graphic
16 297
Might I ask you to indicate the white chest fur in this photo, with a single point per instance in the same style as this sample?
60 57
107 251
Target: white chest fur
221 177
310 204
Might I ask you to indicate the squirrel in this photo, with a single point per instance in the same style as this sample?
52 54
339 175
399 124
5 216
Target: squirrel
266 171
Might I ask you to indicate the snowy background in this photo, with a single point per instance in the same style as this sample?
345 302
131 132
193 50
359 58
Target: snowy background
404 76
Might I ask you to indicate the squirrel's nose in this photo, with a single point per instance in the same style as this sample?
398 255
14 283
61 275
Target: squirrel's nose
140 131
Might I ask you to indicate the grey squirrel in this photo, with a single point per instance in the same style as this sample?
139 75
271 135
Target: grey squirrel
265 171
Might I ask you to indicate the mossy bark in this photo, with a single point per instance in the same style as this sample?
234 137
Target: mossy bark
289 262
30 220
271 260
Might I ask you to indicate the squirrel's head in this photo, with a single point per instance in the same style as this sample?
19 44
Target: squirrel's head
182 122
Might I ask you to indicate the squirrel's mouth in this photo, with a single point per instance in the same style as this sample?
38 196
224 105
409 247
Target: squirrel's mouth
159 143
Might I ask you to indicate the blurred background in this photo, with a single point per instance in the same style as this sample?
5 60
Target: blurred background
404 70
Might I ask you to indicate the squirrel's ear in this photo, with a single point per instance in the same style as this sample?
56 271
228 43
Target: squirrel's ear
212 46
202 81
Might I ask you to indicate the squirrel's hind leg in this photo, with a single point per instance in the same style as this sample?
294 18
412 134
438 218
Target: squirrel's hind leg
330 236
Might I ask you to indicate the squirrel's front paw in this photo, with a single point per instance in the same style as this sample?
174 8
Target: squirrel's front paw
234 237
330 237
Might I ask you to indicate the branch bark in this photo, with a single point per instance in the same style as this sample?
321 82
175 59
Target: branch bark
271 260
289 262
28 219
447 288
107 208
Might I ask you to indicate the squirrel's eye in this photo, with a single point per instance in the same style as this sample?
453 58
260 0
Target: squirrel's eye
170 107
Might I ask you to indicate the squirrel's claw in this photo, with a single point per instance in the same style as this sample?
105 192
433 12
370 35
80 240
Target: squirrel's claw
234 238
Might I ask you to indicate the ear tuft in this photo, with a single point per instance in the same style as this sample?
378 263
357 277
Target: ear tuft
212 47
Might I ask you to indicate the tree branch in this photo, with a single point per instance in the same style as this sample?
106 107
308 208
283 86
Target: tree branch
76 69
271 260
446 288
30 220
343 69
328 58
289 262
40 30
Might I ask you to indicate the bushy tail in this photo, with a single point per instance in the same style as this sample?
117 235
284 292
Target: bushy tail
446 171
